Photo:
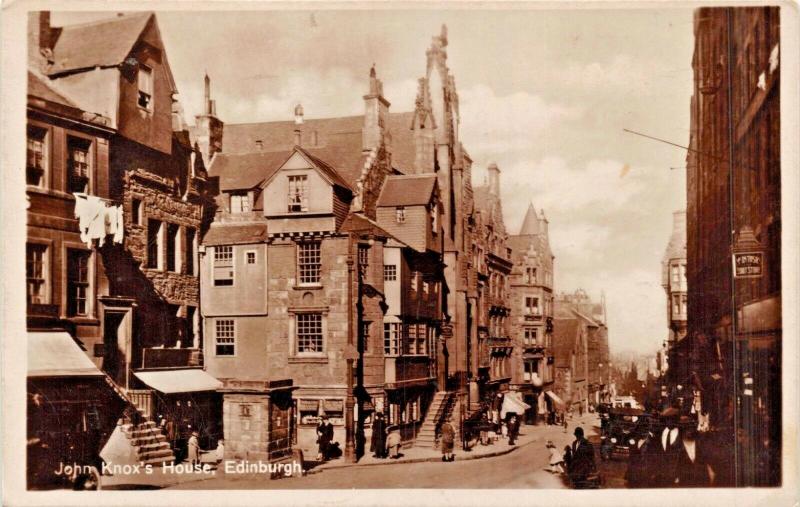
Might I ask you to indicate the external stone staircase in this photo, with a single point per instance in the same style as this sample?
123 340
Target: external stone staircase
149 443
443 405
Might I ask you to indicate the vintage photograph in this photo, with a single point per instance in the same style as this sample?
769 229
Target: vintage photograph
403 247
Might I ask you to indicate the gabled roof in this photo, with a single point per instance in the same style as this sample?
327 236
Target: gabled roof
330 162
408 190
235 234
332 134
362 224
38 86
103 43
246 170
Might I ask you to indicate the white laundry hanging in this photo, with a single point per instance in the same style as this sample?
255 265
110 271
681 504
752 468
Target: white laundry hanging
97 219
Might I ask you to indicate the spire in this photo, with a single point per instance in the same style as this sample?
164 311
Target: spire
531 223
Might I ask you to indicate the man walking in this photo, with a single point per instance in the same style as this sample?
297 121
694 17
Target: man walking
581 459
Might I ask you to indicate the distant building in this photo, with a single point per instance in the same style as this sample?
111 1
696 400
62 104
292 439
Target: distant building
571 361
531 322
673 280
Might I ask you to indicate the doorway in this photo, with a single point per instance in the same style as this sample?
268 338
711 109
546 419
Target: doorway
116 341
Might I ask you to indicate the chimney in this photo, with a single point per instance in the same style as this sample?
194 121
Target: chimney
41 37
209 127
314 138
494 179
298 114
376 112
297 136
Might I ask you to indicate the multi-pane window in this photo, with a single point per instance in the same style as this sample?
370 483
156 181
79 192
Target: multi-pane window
363 259
400 214
298 198
389 272
154 238
365 335
190 247
531 335
532 306
251 257
683 304
225 337
36 273
416 336
145 84
223 266
308 262
676 275
309 332
36 156
391 338
78 163
531 370
172 247
240 203
530 275
78 282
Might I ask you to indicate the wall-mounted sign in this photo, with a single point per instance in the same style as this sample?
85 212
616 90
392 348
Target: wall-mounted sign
748 264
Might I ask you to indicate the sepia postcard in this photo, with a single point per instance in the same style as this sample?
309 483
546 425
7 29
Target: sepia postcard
399 253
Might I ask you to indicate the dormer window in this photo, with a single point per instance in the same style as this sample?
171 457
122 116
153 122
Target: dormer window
400 214
145 83
297 199
240 203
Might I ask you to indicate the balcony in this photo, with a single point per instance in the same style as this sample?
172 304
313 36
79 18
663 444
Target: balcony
402 371
172 358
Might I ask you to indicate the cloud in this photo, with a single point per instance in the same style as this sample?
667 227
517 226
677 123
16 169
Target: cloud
621 74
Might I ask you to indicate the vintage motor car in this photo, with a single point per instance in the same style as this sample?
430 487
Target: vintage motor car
620 429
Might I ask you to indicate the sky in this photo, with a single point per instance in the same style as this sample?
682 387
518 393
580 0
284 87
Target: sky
543 93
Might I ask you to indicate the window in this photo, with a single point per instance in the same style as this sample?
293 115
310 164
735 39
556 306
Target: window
414 277
389 272
223 266
190 248
400 214
36 156
683 304
365 335
78 164
240 203
308 262
434 218
531 335
298 199
676 275
225 336
78 282
416 336
531 369
137 212
363 259
391 338
145 83
36 273
676 304
532 306
172 247
154 238
425 287
530 275
251 257
309 333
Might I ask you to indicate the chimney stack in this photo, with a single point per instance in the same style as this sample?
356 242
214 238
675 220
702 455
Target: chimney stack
376 112
298 114
494 179
297 137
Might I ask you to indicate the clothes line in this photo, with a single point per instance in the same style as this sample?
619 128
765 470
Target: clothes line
98 218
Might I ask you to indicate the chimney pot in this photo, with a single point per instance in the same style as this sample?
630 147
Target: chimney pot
298 114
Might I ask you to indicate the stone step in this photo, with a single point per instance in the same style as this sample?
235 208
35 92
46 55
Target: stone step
158 461
155 454
153 446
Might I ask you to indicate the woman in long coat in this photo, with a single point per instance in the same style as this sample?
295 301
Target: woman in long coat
378 445
324 437
448 440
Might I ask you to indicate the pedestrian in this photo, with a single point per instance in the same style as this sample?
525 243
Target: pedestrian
484 428
556 458
393 442
513 429
448 440
378 444
692 469
582 463
665 452
564 420
640 467
193 449
324 438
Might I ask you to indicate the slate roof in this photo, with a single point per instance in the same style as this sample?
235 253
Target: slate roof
342 134
39 87
103 43
235 234
246 170
407 190
565 333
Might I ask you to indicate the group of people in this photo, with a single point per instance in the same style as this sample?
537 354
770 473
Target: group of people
491 428
670 455
386 439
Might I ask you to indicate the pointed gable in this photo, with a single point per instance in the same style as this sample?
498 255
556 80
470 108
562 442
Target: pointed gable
530 225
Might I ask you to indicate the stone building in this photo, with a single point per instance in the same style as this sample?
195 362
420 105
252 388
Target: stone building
673 280
129 295
490 367
733 344
319 269
531 320
571 362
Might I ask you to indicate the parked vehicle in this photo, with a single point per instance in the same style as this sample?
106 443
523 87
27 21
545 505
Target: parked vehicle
620 429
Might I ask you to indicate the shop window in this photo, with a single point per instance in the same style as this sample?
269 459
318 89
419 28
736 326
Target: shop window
309 333
223 266
225 336
36 272
78 282
308 262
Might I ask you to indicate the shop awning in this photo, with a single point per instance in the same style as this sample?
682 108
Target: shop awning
553 396
56 354
188 380
512 402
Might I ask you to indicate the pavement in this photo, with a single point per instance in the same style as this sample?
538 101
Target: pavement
523 465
